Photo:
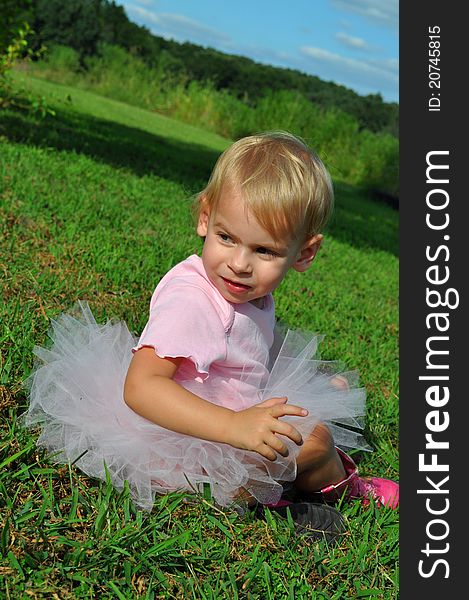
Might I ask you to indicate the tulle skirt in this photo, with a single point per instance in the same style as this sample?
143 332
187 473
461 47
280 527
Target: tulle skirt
76 397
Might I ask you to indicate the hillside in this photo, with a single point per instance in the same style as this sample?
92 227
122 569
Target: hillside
95 204
85 25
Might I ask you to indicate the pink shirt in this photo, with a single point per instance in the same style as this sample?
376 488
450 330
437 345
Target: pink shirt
225 345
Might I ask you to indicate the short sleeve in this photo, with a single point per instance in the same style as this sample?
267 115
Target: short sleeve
184 322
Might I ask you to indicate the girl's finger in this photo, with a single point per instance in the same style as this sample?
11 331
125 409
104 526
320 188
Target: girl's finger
267 452
280 410
276 444
288 431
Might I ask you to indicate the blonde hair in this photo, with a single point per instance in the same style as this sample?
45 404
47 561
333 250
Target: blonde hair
282 182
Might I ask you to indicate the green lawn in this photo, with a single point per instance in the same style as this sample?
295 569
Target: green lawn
95 204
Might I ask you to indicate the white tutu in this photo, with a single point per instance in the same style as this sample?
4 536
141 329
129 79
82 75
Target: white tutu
76 395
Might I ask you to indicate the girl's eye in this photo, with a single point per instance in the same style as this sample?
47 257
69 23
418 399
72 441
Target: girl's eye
224 237
266 252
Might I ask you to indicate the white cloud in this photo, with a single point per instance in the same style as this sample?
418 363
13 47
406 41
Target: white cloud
355 43
382 12
262 54
367 74
179 27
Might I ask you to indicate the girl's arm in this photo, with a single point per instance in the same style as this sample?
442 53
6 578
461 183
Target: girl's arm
152 393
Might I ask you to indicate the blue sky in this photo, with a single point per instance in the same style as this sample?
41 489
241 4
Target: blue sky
352 42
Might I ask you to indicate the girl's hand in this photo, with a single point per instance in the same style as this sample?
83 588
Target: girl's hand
257 428
340 382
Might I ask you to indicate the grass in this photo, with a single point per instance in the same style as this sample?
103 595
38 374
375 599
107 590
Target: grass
95 205
366 158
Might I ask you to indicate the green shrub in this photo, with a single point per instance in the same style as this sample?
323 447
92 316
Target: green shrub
63 60
358 156
379 158
206 107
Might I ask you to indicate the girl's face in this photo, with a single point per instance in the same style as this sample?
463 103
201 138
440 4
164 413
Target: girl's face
242 260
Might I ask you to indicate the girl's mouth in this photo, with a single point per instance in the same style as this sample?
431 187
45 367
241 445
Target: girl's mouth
236 287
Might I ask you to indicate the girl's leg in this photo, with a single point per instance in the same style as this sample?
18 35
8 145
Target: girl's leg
318 462
322 468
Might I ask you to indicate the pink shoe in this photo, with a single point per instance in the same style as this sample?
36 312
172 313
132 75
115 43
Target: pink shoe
384 491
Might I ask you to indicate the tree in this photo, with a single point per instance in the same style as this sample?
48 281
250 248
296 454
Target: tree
14 30
15 14
74 23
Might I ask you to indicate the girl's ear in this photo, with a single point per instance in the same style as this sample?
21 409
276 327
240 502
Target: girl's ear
307 253
204 217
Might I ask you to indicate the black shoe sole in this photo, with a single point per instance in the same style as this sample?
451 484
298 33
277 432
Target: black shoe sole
316 522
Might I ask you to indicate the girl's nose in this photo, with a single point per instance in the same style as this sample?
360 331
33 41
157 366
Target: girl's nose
240 261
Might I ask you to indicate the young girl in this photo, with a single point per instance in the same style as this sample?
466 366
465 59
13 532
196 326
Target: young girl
212 392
